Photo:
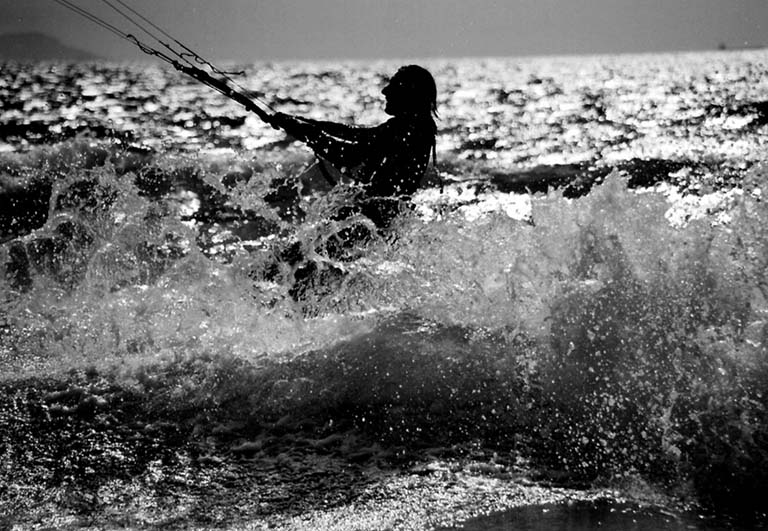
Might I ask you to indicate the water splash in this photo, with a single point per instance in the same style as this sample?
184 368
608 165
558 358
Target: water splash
592 332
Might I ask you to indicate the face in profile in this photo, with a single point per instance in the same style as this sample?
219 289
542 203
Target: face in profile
396 95
411 90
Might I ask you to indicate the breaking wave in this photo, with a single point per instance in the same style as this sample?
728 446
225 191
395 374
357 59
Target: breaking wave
614 335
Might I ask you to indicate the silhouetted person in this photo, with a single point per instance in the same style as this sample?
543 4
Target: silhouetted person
388 161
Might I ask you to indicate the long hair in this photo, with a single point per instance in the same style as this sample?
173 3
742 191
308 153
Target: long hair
422 86
424 93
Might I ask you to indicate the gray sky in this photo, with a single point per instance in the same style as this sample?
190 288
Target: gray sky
307 29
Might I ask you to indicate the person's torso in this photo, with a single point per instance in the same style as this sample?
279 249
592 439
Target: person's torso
398 157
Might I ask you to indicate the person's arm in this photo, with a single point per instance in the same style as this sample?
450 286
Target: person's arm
304 129
342 145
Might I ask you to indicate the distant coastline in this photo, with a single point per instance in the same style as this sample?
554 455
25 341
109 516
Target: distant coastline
724 46
35 46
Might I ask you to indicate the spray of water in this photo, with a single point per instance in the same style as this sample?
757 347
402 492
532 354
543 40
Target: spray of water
597 336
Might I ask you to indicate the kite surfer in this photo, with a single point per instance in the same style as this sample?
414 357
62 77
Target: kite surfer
387 161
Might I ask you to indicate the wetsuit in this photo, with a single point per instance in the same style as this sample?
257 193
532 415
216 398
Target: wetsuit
389 160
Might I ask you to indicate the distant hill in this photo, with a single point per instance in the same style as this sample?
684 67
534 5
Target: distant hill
39 47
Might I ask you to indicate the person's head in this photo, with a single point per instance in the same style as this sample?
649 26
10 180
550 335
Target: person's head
411 90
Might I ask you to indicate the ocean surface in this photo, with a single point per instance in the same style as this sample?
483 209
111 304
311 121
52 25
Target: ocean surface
581 284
